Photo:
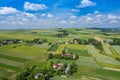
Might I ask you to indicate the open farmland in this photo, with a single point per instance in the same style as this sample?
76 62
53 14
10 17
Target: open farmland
91 64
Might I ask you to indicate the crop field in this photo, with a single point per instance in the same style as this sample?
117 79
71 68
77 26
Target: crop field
10 62
27 35
79 52
6 72
27 52
102 59
82 78
14 58
117 49
60 78
70 46
98 73
87 61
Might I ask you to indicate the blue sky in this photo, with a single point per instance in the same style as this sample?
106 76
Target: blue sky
25 14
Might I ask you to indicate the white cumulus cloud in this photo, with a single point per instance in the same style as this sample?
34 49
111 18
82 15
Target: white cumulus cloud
63 21
43 15
8 10
29 15
110 16
73 17
86 3
50 15
34 7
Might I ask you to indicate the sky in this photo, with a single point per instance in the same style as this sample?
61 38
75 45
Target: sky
36 14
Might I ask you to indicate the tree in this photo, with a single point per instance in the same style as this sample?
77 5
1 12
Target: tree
50 56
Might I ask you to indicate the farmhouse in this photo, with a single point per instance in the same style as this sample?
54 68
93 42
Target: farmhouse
66 42
8 42
58 65
73 56
47 77
1 44
73 41
38 75
11 41
108 40
67 69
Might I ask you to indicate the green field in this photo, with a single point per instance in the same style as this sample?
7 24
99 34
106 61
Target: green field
79 52
27 52
70 46
87 61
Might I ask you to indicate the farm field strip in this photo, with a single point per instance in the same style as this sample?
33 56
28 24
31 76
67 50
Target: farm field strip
13 58
17 54
62 61
26 52
7 47
14 68
25 36
59 49
12 63
102 58
87 61
79 52
6 72
106 48
107 68
82 78
117 48
71 46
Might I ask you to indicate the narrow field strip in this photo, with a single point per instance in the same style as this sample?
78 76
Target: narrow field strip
13 58
113 69
117 49
105 60
10 67
12 63
26 52
79 52
7 47
17 54
87 61
106 48
70 46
